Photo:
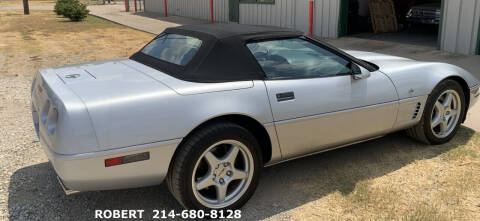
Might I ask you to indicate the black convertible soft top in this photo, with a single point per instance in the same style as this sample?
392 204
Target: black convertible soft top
223 55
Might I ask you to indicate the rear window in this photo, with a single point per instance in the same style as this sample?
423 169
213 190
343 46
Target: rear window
173 48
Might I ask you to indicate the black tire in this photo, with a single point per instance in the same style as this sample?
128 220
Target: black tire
179 178
423 131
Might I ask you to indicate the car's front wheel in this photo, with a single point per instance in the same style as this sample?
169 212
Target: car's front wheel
217 167
442 115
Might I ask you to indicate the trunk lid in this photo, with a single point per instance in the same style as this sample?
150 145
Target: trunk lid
118 99
89 73
107 81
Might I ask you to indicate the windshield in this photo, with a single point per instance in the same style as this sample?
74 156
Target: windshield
173 48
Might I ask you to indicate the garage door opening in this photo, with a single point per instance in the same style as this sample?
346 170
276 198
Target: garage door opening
414 22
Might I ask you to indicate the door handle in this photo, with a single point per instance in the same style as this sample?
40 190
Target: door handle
285 96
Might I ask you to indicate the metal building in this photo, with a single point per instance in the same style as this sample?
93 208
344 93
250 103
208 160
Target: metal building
460 26
458 29
199 9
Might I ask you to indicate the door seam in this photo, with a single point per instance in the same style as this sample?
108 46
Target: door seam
273 120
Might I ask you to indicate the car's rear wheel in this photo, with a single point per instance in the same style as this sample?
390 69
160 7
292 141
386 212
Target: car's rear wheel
217 167
442 115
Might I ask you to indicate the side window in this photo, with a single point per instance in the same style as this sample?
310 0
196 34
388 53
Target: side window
173 48
297 58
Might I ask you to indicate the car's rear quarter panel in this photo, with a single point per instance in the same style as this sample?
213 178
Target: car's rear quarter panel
132 119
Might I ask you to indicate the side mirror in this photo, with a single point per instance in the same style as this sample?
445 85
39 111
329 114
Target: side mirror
358 72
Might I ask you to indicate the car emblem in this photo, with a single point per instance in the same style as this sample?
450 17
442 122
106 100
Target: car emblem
71 76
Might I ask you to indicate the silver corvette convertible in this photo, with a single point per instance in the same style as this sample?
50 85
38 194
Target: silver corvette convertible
205 107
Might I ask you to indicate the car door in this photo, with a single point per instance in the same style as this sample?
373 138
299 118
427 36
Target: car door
316 101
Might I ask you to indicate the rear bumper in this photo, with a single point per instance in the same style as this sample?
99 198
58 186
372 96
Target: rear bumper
87 171
65 189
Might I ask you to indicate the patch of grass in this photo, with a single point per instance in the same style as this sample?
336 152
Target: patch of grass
368 201
96 20
465 146
459 153
345 182
461 182
48 22
362 193
30 2
44 39
10 14
426 212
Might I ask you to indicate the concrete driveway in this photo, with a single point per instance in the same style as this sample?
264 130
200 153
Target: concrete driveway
148 22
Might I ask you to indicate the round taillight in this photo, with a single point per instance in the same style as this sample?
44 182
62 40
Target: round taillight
45 112
52 120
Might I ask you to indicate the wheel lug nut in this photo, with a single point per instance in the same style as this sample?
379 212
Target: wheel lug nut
225 164
221 180
229 173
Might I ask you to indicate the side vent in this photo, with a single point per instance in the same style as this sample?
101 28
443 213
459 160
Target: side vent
417 109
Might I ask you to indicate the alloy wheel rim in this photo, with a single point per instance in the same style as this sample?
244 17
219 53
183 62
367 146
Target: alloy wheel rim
222 174
445 114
